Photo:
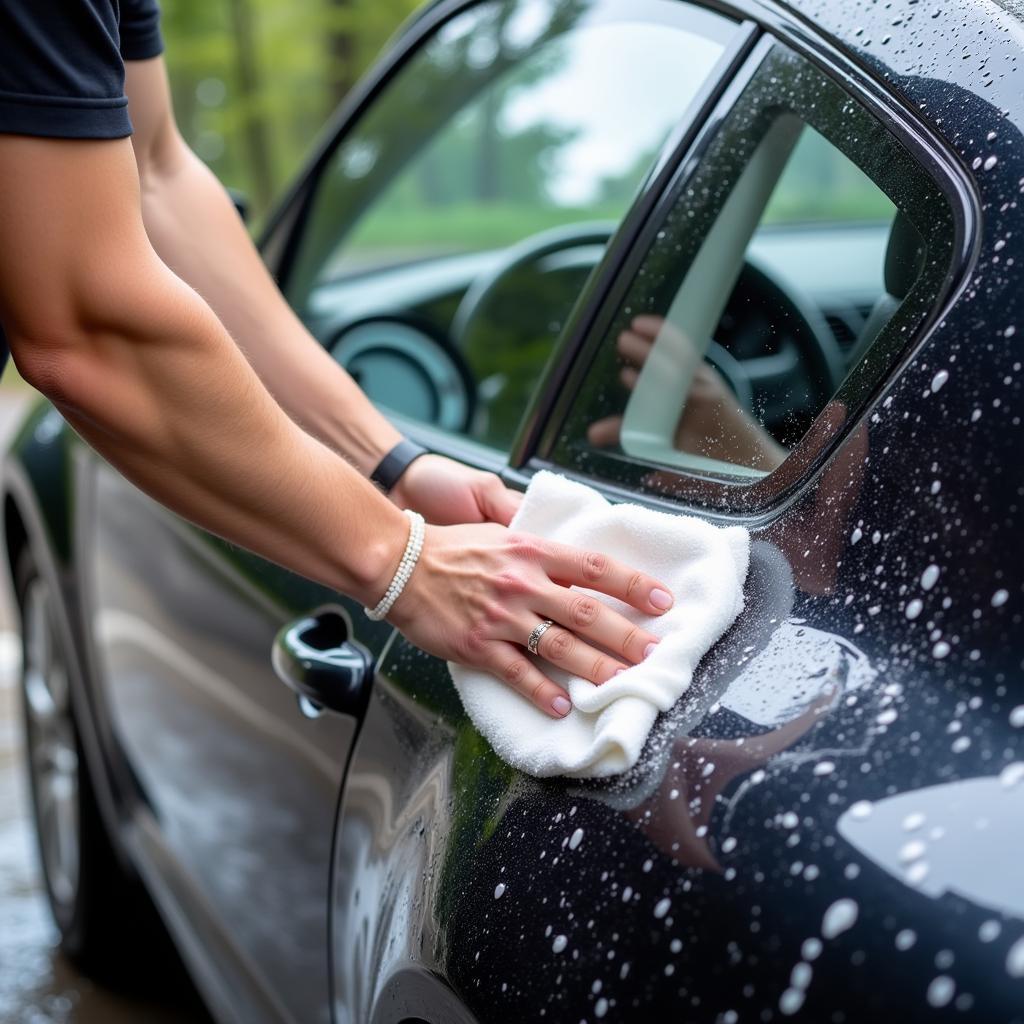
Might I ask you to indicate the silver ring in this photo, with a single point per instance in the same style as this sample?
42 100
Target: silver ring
538 632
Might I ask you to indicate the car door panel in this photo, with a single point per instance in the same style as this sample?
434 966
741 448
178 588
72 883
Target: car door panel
735 871
823 828
241 784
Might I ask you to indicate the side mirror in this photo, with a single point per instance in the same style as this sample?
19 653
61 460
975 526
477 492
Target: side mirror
241 201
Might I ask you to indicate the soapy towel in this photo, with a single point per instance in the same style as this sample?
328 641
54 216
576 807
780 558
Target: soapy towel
703 565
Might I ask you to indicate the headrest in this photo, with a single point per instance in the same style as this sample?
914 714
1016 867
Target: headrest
904 258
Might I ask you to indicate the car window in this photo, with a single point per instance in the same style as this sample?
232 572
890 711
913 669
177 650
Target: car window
455 224
790 270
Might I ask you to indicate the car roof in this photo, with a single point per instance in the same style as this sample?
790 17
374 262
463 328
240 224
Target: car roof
933 51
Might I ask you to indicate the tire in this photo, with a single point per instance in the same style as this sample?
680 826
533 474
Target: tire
108 925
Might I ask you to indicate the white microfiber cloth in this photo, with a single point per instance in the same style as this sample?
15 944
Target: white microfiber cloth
704 566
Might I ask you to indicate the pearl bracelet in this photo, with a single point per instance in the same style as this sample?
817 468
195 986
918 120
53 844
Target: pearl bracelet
413 547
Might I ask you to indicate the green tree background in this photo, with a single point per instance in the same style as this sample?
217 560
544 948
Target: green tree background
254 80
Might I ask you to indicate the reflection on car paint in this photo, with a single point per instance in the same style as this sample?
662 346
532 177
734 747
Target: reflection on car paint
959 837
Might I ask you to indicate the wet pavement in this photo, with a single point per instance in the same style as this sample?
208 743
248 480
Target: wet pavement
37 985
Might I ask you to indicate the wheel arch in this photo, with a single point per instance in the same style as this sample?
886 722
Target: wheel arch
38 503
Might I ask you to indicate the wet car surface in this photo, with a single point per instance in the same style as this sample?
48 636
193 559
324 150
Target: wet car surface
827 826
37 984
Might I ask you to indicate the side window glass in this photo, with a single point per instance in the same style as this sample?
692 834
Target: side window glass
456 223
790 270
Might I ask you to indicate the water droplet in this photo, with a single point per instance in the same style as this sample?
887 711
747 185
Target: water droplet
559 944
662 907
1017 716
601 1007
575 839
905 939
913 821
728 845
499 890
824 768
990 162
1015 959
989 930
930 577
790 820
941 990
939 379
1000 597
914 608
917 872
861 809
811 949
790 1001
801 975
940 650
913 850
856 535
839 917
1012 774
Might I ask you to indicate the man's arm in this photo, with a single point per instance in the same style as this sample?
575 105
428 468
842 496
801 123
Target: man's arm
196 231
143 369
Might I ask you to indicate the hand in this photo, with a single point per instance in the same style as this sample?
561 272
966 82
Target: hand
446 492
477 593
712 423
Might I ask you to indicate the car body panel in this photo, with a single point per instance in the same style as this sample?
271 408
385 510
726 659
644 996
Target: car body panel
792 777
792 902
240 783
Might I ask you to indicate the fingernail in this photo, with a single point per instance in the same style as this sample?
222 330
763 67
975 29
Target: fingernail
661 599
649 649
561 706
619 671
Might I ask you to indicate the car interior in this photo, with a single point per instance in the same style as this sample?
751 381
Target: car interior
447 309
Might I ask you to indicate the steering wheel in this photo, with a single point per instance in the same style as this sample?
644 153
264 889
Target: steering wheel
787 385
531 254
511 315
805 369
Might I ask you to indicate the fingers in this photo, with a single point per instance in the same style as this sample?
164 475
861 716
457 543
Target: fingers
497 502
634 348
570 653
629 376
589 618
514 667
604 433
596 571
648 325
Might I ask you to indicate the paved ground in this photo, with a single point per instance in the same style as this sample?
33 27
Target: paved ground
37 986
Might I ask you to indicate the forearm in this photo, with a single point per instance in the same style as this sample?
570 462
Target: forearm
161 391
194 228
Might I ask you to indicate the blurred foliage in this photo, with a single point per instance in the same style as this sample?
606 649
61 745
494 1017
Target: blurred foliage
254 80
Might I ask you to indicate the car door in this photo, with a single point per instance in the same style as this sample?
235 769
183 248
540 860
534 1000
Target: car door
234 778
445 234
806 833
426 189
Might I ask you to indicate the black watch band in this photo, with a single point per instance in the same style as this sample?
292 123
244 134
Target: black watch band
390 469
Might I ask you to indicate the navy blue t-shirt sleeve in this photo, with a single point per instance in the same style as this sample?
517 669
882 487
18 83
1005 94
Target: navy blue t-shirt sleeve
62 64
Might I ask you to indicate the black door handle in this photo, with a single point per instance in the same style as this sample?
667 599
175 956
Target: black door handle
315 657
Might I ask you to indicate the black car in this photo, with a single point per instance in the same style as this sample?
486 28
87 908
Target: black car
752 261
